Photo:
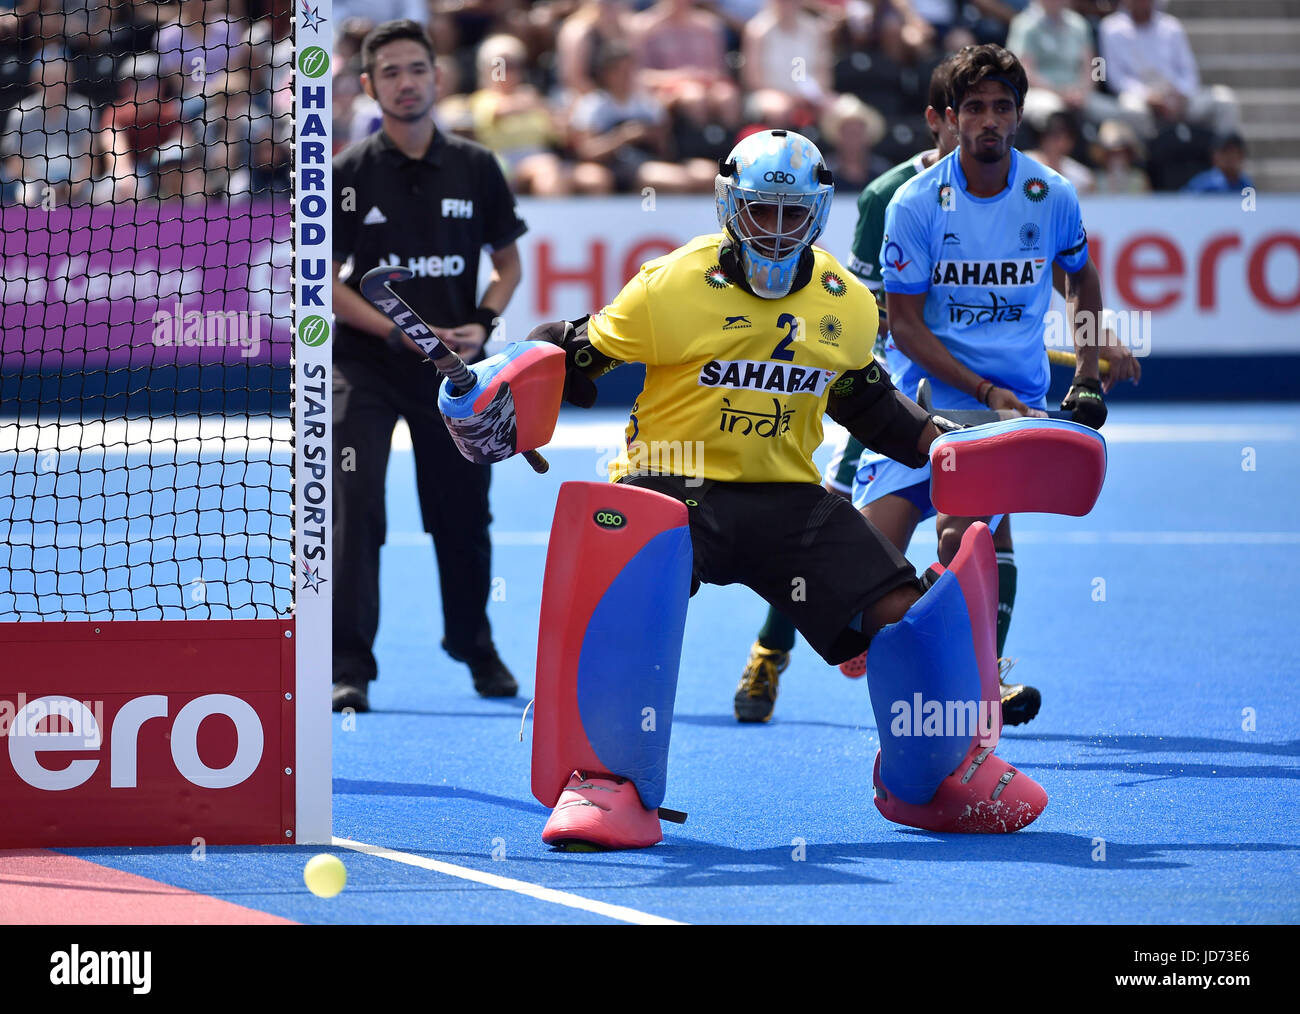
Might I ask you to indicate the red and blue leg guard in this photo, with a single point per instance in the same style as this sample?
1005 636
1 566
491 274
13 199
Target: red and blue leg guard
934 689
512 407
618 578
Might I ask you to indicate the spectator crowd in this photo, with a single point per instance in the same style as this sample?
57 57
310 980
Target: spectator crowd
105 100
116 100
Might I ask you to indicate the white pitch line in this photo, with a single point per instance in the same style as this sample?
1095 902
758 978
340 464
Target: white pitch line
548 894
1133 538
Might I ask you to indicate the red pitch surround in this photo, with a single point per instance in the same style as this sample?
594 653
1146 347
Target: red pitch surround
147 732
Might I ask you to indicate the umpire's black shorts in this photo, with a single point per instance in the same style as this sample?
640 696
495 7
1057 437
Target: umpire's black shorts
808 552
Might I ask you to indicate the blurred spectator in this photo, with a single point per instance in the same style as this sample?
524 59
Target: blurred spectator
51 131
1119 152
271 55
1150 66
18 44
510 117
461 25
91 54
683 56
197 44
1055 46
581 36
735 15
1094 10
145 117
347 43
987 19
11 181
272 166
181 176
1059 138
939 15
347 95
623 131
787 68
234 121
1228 175
12 14
853 129
990 20
378 11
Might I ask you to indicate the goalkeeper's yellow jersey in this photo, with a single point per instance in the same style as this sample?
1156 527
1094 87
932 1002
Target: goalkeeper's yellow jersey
735 384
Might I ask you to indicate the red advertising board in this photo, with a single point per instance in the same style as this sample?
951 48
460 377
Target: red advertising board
147 733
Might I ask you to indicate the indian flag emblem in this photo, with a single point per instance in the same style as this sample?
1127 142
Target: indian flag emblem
716 277
1036 189
833 283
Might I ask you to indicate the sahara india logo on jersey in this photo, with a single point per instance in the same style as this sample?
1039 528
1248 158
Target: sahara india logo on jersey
758 375
1009 273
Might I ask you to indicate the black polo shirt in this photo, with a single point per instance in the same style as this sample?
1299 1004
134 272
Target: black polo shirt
433 215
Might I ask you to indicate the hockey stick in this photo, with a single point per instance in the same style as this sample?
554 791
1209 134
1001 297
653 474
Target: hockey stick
973 416
1060 357
376 288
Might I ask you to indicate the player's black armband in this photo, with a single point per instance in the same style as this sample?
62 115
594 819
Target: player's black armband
867 404
583 362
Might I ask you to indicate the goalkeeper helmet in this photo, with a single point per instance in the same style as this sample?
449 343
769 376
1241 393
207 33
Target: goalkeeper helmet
773 196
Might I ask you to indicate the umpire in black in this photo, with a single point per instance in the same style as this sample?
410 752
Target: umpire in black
411 195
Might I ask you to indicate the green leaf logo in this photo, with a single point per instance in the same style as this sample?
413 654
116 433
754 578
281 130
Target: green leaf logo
313 61
313 331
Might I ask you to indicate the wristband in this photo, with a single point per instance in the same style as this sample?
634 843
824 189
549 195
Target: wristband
981 395
488 318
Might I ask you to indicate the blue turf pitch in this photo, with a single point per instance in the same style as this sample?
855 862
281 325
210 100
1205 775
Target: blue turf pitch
1166 806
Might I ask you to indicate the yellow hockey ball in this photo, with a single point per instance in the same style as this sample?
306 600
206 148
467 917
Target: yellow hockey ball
324 875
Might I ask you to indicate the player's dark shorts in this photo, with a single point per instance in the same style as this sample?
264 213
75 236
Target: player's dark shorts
808 552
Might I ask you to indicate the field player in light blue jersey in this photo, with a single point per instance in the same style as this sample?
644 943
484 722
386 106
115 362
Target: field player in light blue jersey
967 264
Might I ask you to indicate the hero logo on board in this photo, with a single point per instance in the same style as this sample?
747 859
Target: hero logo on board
33 732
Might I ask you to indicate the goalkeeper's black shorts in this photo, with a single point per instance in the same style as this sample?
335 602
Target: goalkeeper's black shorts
808 552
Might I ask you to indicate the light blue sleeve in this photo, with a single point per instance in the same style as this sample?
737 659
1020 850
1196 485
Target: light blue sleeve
1071 238
905 262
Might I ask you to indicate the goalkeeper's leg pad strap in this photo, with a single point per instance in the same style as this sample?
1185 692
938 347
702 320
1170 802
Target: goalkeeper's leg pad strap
512 407
1045 466
618 577
933 675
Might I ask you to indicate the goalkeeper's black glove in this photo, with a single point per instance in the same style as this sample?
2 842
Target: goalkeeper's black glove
1084 402
583 361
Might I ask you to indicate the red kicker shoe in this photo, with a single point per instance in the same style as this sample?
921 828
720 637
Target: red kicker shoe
985 795
601 811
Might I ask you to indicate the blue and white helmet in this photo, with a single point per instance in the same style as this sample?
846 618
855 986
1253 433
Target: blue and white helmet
773 195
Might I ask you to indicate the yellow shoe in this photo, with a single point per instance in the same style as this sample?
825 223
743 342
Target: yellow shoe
1020 703
756 694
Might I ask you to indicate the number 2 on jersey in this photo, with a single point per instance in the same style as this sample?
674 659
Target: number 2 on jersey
783 351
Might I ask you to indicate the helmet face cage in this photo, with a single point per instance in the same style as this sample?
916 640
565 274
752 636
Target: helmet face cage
772 227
